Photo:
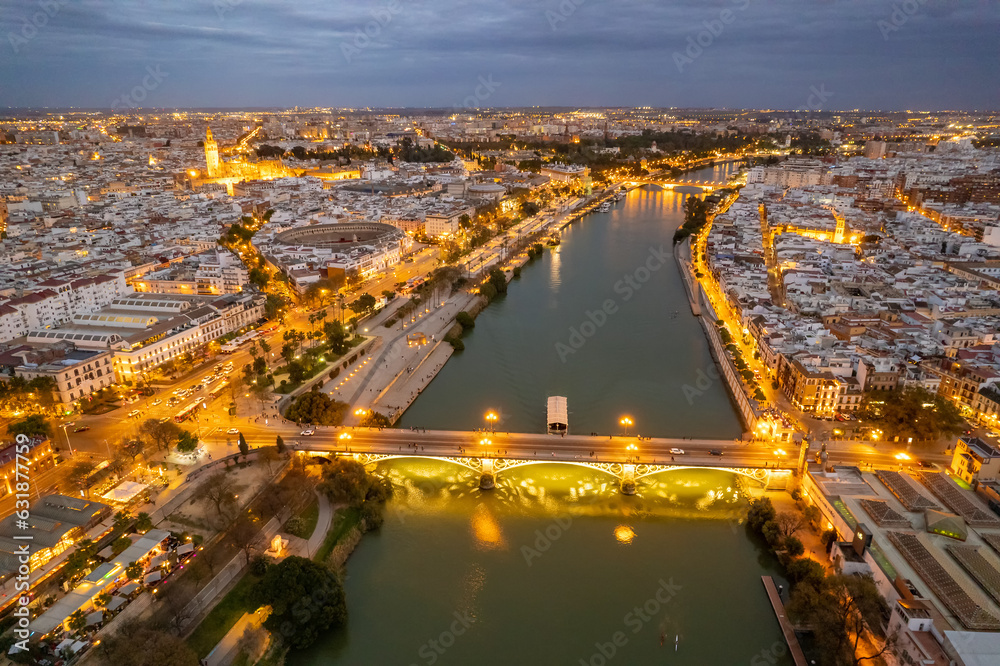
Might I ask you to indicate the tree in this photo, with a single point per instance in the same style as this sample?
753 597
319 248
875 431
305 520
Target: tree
119 545
789 523
363 305
267 455
102 600
133 571
158 648
143 523
296 372
219 490
132 447
805 570
316 408
794 547
336 337
306 600
259 278
242 443
841 611
245 535
79 474
122 521
374 419
77 621
187 441
288 351
160 433
35 425
911 413
465 319
279 443
760 511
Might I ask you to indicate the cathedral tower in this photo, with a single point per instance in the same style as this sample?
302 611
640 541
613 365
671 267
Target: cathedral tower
211 155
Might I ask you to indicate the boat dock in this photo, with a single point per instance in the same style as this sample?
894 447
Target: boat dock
786 627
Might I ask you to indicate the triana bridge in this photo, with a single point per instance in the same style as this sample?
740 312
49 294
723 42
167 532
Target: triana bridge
628 459
703 185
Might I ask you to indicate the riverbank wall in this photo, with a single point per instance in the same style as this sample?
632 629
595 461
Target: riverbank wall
682 253
746 406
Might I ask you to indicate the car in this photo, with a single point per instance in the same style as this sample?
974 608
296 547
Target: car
156 402
233 431
715 452
134 413
198 387
677 452
81 429
306 433
69 423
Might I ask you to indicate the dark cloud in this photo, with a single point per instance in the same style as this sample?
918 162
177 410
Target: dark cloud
753 53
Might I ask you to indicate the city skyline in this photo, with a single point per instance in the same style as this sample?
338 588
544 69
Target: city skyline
732 54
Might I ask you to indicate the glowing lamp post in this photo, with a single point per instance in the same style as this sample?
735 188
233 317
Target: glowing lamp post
491 418
625 423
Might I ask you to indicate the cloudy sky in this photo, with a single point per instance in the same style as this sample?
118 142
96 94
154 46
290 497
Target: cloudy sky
869 54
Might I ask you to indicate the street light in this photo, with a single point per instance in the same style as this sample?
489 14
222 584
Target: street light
66 434
626 421
632 449
491 417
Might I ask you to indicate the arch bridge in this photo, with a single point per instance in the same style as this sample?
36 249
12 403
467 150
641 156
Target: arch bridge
626 473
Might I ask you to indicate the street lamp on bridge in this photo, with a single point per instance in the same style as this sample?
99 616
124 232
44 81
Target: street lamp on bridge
491 418
485 443
632 452
625 422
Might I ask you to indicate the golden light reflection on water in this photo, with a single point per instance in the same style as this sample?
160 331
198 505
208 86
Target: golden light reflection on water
624 534
486 529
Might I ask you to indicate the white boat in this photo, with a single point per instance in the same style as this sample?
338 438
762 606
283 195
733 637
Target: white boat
557 417
605 207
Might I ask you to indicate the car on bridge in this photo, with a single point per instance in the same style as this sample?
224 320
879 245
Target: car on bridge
715 452
677 452
306 433
233 431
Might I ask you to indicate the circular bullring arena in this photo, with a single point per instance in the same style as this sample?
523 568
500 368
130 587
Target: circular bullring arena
341 237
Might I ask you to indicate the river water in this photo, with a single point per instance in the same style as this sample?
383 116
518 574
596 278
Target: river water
533 343
555 566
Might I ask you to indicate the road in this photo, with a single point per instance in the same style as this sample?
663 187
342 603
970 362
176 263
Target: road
571 448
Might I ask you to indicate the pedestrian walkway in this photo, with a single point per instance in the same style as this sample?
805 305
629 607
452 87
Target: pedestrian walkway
786 627
323 522
226 650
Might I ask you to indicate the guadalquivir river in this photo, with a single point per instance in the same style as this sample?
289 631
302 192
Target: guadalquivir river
555 566
635 361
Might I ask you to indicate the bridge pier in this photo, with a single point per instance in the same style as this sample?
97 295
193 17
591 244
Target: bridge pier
487 479
628 480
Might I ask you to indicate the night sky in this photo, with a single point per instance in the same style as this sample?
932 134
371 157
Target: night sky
868 54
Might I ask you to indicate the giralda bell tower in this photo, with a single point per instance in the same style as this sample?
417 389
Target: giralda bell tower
211 155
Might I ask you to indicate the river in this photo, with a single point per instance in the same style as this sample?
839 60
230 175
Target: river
555 566
532 343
